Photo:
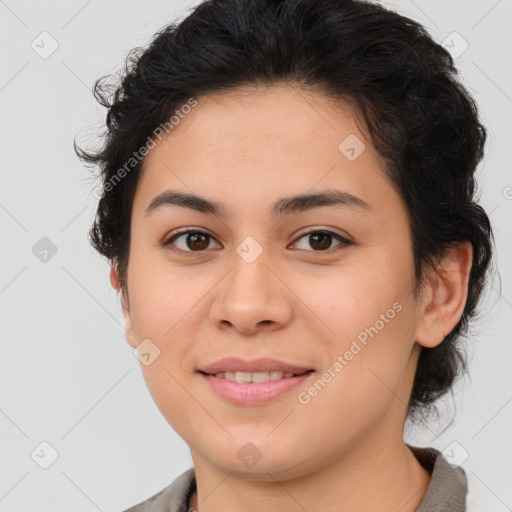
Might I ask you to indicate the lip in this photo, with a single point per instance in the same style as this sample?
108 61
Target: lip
253 393
235 364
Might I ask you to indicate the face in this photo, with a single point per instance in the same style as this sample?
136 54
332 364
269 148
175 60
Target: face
322 285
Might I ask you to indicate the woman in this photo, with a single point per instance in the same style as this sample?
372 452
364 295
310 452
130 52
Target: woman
288 207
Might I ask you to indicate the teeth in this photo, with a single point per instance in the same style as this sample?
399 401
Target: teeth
243 377
260 376
253 377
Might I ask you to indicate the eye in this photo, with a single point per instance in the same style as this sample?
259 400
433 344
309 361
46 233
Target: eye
193 241
321 240
197 240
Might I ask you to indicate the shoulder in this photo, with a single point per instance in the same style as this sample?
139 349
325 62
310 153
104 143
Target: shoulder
172 498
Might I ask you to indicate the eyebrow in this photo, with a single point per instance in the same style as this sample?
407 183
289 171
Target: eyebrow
283 206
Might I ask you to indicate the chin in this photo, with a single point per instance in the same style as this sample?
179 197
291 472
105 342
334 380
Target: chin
260 465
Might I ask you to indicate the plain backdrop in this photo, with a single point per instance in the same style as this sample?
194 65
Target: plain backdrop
68 378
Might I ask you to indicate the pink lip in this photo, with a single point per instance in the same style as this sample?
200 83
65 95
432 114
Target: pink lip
234 364
253 393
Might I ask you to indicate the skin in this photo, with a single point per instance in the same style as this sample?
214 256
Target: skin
295 302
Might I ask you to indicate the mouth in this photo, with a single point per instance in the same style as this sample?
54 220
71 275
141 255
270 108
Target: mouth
252 383
263 376
250 389
237 365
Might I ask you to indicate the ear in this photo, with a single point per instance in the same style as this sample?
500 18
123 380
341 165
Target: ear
116 284
444 297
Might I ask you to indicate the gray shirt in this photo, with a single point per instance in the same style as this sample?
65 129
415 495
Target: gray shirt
446 492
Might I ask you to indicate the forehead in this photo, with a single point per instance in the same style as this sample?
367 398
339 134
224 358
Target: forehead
261 142
286 111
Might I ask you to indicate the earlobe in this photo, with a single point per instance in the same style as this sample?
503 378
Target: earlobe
446 295
114 277
115 281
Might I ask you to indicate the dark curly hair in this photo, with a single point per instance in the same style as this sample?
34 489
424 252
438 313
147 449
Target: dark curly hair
403 85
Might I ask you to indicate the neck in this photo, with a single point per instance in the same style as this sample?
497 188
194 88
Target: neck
369 477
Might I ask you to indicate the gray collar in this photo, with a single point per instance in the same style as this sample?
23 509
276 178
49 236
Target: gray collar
448 484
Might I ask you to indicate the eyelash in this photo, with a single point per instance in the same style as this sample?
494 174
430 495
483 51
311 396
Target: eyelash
169 242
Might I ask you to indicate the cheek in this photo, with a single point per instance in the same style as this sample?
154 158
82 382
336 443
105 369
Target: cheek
163 306
159 296
360 382
170 394
370 319
351 299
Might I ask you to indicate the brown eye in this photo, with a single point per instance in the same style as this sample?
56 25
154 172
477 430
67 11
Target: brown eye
190 241
197 241
321 240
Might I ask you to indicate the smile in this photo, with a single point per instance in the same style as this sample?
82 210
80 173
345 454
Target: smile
253 388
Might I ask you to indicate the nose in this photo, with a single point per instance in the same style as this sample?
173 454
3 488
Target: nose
251 298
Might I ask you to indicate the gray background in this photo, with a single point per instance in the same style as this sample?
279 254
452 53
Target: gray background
68 377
